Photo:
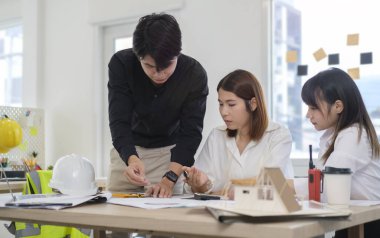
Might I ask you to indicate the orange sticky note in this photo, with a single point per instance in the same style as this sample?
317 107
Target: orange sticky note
353 39
354 73
319 54
291 56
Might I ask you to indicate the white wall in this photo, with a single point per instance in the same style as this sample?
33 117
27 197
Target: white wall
61 50
10 10
225 35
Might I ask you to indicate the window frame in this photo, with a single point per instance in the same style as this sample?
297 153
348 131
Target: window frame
4 25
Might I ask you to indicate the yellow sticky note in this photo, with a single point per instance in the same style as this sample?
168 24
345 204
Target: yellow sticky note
291 56
319 54
353 39
33 131
354 73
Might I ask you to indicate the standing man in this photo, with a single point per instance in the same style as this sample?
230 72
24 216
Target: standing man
157 102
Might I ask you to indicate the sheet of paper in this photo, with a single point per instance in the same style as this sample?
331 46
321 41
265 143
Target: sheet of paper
353 39
49 201
157 203
291 56
319 54
354 73
365 203
309 209
302 70
333 59
366 58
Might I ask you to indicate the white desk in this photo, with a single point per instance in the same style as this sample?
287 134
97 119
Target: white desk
185 222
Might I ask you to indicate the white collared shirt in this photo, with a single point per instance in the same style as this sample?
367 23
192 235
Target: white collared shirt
221 160
350 152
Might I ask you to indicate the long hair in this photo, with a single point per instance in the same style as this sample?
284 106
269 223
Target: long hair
335 84
245 85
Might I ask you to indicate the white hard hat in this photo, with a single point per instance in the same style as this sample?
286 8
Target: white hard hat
74 175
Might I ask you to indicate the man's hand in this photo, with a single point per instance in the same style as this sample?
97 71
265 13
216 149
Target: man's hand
135 171
164 189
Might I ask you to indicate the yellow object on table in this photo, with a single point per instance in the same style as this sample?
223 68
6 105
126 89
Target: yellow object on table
128 195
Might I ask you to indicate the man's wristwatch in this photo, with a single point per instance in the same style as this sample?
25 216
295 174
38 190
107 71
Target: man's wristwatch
171 176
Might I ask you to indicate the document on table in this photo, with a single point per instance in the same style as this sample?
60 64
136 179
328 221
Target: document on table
364 203
53 201
156 203
309 209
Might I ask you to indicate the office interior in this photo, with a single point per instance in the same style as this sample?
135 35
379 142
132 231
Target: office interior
67 45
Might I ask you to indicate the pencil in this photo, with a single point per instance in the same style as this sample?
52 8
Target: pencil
128 195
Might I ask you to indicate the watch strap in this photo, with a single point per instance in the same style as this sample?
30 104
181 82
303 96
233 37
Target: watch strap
171 176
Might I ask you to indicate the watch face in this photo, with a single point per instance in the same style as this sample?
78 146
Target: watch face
171 176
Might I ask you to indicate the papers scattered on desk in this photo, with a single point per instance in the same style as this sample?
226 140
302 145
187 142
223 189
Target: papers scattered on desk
364 203
157 203
224 212
54 201
12 179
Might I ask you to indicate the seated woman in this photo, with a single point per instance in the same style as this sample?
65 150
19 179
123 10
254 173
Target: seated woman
336 107
248 142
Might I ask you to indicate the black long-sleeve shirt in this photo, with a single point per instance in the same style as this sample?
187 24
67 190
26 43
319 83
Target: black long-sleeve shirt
145 115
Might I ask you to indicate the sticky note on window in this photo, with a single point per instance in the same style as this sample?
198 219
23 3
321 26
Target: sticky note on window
33 131
366 58
302 70
291 56
354 73
353 39
333 59
319 54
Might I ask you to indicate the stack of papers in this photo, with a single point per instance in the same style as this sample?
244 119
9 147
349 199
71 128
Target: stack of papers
53 201
223 212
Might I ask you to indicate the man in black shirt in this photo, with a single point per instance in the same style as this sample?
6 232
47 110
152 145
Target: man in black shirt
157 102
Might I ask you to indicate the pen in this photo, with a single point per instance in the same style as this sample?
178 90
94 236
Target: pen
128 195
186 174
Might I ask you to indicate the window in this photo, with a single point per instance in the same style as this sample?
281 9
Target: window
122 43
11 66
303 28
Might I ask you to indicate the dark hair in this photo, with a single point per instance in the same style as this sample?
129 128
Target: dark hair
335 84
159 36
245 85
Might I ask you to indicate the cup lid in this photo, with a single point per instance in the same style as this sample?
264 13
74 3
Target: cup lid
333 170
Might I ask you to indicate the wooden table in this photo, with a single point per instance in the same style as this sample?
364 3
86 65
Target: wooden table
185 222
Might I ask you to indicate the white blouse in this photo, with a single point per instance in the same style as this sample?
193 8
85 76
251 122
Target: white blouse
354 153
221 160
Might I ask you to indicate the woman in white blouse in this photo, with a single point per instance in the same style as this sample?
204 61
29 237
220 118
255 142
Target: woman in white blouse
248 142
349 141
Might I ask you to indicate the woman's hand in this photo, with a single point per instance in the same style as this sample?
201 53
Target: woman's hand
196 179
